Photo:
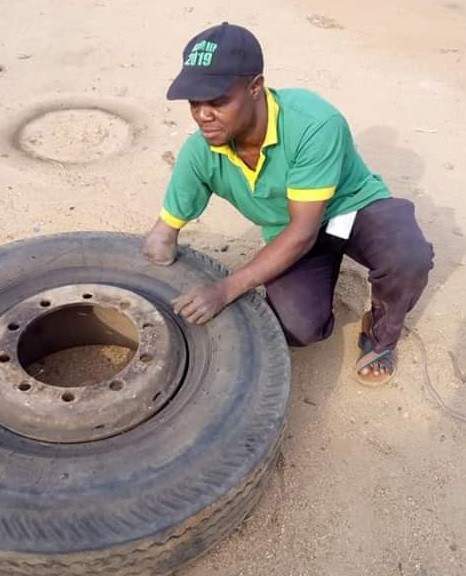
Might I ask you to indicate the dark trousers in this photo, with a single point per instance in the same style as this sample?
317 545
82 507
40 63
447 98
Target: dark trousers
387 240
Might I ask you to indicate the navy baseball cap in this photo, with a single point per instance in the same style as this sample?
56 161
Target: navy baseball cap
213 60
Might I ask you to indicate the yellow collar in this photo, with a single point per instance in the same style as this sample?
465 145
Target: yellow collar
271 138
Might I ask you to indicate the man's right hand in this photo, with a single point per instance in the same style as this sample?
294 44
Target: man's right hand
160 244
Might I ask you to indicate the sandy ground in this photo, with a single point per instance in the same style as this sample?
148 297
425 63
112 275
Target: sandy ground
371 482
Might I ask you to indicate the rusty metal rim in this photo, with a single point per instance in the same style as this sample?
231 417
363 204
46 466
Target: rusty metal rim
152 377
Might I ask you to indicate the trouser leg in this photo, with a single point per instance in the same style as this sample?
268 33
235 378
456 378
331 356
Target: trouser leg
302 297
387 239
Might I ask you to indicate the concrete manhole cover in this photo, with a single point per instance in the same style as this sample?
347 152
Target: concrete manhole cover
74 135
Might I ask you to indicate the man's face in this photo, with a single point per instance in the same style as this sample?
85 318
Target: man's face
223 119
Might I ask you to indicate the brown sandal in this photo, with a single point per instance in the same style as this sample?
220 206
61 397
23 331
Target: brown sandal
369 358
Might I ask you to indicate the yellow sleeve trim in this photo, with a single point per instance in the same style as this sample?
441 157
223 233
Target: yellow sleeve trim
310 194
172 221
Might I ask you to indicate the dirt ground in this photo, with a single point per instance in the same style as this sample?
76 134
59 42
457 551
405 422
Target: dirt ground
371 482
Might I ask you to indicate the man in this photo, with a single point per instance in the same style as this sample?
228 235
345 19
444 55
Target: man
286 160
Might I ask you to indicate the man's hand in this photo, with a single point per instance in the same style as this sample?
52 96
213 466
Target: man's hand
202 303
160 244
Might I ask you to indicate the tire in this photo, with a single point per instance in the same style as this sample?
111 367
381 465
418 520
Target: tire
148 500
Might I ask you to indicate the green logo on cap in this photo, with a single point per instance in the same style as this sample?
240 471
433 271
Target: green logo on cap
202 54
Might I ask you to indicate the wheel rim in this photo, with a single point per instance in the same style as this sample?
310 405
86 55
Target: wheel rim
82 315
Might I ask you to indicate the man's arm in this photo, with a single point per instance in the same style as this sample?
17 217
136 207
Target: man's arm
202 303
186 197
160 244
295 241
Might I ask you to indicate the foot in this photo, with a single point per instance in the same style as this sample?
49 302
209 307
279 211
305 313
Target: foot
373 368
160 244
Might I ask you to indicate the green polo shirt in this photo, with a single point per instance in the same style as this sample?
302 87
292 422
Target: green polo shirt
308 155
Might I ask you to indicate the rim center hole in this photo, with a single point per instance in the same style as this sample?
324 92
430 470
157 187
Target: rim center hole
77 345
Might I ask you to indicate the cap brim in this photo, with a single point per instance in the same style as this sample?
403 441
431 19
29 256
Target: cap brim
199 87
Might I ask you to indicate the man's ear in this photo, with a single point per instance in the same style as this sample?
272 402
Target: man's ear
256 86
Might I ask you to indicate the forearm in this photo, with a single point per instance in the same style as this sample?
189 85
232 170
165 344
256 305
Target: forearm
161 243
269 262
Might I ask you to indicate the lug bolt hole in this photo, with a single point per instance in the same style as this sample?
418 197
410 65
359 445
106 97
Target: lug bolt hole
24 387
87 296
67 397
155 398
147 325
45 303
100 427
124 305
116 385
13 326
4 357
146 358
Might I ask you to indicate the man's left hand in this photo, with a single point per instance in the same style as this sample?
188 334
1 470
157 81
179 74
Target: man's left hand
202 303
